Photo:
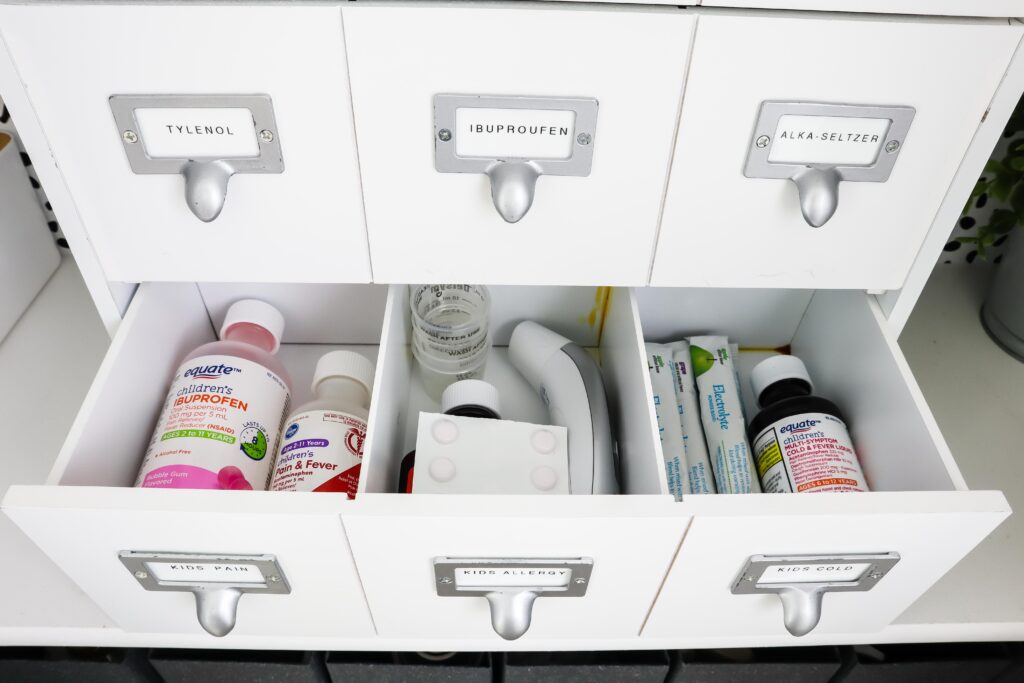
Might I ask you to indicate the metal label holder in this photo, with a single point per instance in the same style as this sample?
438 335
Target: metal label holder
206 178
512 606
514 179
801 600
216 601
818 184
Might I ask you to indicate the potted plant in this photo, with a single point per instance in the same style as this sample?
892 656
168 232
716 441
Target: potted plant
1002 314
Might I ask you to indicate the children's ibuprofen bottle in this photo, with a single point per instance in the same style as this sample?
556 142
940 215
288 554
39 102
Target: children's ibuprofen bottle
221 421
800 441
322 448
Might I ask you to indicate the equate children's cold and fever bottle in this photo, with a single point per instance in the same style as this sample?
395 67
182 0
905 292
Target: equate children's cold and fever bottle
322 449
220 424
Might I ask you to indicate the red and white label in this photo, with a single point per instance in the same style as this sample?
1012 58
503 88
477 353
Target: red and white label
322 451
810 452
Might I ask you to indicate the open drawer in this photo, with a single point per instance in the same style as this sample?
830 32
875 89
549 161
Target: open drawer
919 507
88 514
629 539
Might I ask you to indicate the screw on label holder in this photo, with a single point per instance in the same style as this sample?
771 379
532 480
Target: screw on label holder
206 178
512 585
211 578
801 581
513 176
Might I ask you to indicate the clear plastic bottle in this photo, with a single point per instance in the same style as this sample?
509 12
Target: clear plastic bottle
466 398
322 448
800 441
221 421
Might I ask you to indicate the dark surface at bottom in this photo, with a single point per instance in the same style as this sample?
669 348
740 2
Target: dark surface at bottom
930 663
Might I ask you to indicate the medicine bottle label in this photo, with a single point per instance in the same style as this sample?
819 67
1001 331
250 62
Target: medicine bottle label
219 427
807 452
322 451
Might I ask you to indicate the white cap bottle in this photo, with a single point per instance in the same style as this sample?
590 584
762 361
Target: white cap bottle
322 449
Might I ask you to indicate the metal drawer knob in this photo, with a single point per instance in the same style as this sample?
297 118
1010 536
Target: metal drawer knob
801 581
512 585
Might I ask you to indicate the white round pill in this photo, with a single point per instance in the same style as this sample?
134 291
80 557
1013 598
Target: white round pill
544 478
441 469
445 431
543 441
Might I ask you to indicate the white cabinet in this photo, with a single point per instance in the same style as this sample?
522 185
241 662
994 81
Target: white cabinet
731 254
721 228
304 224
600 229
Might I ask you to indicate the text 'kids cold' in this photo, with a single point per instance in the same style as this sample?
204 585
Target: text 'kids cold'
220 423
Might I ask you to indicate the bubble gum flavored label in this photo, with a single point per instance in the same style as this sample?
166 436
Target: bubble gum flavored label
219 427
322 451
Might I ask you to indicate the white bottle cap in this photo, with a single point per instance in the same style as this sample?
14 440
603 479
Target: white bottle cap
470 392
348 364
777 368
255 312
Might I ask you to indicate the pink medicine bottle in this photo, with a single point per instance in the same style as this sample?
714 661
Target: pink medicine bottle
221 421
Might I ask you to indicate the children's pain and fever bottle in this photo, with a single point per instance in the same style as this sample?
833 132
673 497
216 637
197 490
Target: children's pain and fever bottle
220 424
322 448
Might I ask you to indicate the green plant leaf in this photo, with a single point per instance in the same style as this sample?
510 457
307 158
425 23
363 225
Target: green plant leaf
1017 200
1016 163
995 167
979 189
1001 222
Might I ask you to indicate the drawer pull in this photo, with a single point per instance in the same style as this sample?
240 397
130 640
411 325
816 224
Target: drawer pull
511 586
801 581
217 581
818 145
513 141
205 138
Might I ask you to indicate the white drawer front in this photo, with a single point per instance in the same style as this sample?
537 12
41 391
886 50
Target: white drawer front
931 532
396 538
429 226
85 529
89 513
918 507
721 228
302 225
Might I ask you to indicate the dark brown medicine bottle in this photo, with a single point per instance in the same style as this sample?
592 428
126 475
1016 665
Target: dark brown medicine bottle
468 398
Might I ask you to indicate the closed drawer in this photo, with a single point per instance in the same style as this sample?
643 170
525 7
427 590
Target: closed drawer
303 224
722 228
597 229
88 514
919 506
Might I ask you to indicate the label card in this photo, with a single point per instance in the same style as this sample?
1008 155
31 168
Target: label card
813 573
545 577
201 572
197 132
514 133
832 140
